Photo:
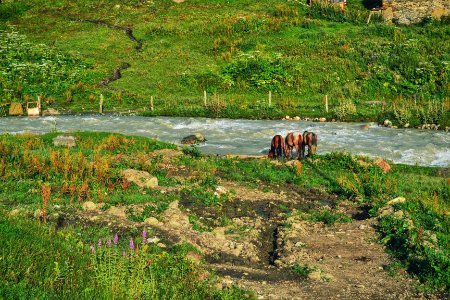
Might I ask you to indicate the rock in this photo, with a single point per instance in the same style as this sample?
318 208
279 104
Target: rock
50 112
151 221
385 211
89 206
315 275
153 240
387 123
396 200
365 127
118 212
297 118
65 140
322 119
406 125
383 165
399 214
161 245
142 179
193 139
220 190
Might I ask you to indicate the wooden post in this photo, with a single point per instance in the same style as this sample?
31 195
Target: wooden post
326 103
101 104
270 98
204 98
151 103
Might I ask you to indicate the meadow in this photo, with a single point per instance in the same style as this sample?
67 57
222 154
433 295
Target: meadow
233 52
49 251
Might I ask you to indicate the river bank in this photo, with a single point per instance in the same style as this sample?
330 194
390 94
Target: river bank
249 221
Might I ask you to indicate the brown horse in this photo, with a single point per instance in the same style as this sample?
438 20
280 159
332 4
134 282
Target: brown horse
310 140
276 147
293 141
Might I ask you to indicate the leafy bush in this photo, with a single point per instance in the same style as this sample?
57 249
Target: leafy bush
345 109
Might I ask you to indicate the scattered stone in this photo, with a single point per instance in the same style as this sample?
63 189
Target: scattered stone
383 165
153 240
315 275
193 139
118 212
396 200
142 179
151 221
161 245
89 206
362 226
297 118
387 123
322 119
406 125
365 127
65 141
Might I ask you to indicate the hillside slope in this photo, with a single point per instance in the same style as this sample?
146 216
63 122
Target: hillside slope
236 51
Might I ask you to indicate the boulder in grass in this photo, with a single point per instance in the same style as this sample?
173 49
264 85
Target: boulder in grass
65 141
383 165
193 139
142 179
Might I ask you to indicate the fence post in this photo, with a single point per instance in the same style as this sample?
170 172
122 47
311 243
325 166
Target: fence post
325 98
151 103
270 98
101 104
204 98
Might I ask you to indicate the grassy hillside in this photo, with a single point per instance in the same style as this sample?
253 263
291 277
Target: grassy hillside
236 51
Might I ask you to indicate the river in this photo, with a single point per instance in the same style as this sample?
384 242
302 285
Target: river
252 137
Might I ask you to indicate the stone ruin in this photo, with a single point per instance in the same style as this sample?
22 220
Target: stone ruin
406 12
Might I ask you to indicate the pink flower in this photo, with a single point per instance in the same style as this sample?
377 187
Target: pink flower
131 244
144 236
99 243
92 249
116 238
109 242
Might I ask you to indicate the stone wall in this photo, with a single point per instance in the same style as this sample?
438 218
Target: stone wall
414 11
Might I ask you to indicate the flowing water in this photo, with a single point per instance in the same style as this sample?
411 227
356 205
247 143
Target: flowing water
253 137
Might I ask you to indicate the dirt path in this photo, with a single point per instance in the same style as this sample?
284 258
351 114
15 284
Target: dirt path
348 265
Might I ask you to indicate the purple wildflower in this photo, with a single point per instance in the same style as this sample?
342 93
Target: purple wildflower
109 242
99 243
131 244
92 249
144 236
116 238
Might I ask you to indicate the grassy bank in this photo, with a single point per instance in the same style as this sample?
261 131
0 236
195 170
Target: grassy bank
236 51
49 182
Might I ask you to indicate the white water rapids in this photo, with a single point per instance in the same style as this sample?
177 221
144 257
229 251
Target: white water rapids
253 137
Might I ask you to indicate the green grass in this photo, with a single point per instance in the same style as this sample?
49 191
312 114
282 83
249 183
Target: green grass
39 262
91 171
237 51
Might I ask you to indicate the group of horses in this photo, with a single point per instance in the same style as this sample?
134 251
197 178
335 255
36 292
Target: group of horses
297 141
